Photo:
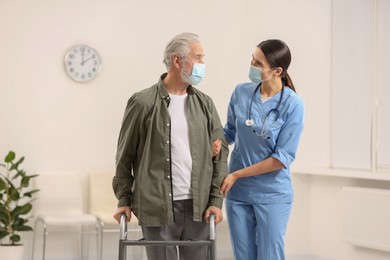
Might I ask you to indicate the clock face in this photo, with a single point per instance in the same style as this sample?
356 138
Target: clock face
82 63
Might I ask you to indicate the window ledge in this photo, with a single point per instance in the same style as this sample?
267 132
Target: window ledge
343 173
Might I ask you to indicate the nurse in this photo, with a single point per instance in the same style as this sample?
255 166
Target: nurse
265 122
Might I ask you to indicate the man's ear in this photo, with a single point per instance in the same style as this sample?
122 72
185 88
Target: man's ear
176 60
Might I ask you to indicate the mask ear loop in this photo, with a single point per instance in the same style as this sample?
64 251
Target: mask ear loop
182 66
182 69
177 60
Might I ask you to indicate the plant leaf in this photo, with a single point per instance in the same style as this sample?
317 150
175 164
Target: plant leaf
14 238
3 212
25 181
19 162
23 228
19 172
21 210
10 157
3 234
2 184
4 221
13 193
29 193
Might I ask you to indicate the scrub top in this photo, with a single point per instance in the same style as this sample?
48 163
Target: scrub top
280 139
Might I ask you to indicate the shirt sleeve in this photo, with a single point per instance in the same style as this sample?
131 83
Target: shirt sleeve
230 127
126 151
289 136
219 161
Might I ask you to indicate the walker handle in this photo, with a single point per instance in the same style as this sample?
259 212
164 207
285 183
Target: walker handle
123 227
212 227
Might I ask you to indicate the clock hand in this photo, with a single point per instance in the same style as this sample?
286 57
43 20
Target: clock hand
85 61
82 59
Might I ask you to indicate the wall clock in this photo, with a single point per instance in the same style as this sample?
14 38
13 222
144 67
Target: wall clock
82 63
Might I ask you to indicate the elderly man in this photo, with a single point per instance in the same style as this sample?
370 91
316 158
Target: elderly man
166 173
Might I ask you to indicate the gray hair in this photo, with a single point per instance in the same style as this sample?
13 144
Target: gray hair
179 45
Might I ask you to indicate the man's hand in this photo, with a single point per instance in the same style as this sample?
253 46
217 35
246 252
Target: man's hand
120 211
213 210
216 147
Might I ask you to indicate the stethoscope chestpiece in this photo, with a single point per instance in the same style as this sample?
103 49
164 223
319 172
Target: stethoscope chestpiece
249 122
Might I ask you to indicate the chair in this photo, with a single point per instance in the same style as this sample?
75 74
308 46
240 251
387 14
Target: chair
102 204
59 205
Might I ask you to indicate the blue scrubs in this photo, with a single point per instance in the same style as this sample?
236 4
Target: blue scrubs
258 207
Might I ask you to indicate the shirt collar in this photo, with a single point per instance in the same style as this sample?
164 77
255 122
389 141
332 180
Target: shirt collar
162 89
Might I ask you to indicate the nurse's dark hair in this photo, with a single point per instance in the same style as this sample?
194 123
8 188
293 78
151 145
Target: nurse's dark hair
278 54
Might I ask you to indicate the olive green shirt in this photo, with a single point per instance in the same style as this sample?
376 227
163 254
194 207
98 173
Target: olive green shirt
143 178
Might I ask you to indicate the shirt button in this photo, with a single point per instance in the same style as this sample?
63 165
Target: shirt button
168 142
167 159
167 124
170 195
168 177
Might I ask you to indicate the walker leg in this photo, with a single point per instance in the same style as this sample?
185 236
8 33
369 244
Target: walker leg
213 254
122 251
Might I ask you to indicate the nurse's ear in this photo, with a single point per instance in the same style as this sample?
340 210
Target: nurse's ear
278 71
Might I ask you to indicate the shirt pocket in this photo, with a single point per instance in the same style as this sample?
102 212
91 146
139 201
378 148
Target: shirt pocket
271 133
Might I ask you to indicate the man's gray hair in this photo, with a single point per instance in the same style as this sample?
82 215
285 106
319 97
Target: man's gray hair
179 45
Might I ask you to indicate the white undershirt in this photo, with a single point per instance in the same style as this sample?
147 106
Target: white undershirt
180 148
264 99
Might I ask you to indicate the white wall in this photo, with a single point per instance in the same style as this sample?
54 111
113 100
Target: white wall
59 124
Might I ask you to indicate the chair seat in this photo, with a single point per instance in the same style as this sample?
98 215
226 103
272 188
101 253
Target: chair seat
108 219
65 220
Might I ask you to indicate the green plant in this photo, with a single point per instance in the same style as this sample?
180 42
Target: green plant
13 195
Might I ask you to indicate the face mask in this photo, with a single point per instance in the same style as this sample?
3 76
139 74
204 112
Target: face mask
197 74
255 74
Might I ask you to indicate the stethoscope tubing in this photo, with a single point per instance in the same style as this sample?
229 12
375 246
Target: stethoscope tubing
250 121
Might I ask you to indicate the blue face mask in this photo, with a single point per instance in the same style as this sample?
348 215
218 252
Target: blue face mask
255 74
197 74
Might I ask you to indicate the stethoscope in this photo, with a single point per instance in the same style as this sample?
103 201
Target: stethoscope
249 122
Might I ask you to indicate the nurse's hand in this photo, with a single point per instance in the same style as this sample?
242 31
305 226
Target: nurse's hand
228 183
216 147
